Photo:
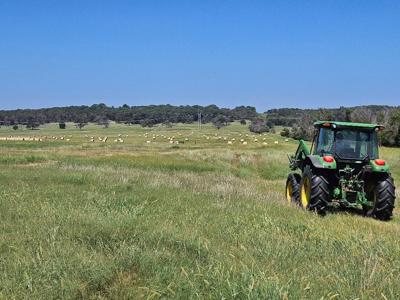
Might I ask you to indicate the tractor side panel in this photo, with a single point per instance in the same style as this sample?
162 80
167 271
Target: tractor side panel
318 163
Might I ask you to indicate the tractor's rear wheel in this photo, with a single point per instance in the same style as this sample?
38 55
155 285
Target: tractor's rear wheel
314 191
293 188
383 197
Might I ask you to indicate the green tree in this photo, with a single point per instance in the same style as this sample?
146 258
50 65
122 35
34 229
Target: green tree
220 121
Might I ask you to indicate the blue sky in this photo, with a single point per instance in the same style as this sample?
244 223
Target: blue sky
262 53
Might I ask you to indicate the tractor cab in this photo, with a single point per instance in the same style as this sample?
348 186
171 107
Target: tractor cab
345 142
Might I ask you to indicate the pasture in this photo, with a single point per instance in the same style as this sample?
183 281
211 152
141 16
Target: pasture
177 213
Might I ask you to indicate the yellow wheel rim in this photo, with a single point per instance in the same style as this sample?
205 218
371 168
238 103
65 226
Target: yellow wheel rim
305 192
289 192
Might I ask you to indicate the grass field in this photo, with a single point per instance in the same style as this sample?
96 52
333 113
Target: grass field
199 219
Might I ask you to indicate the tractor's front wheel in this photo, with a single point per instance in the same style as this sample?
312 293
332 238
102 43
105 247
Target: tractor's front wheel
293 188
383 197
314 191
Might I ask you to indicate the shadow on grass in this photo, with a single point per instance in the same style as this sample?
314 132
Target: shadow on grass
347 210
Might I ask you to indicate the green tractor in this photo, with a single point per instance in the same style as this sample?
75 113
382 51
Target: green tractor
342 169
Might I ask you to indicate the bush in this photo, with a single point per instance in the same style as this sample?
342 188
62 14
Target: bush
304 129
285 132
167 124
390 136
301 133
62 125
32 125
259 126
363 115
147 123
15 127
103 121
80 125
220 121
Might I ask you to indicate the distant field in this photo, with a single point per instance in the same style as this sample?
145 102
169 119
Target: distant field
141 217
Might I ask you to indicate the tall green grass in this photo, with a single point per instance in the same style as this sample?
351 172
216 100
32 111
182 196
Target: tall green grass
204 220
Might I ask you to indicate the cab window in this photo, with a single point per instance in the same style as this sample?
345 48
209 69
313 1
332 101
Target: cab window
325 141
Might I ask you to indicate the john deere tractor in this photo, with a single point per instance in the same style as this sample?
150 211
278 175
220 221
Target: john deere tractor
342 169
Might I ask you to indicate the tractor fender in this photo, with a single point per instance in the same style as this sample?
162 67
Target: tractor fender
318 163
379 168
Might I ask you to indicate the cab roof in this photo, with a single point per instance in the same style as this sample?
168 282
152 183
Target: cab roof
337 124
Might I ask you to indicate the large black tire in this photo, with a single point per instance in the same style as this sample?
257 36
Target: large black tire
383 197
293 188
314 191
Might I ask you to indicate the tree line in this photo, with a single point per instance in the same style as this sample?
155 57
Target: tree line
144 115
301 121
297 122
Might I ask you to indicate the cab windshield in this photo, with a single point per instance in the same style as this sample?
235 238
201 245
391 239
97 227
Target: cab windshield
347 144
